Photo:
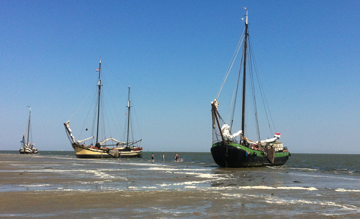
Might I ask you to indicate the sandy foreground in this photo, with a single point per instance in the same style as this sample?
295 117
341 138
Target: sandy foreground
154 204
101 204
111 205
20 196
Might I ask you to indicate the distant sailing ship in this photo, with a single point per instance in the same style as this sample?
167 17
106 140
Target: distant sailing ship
102 149
235 149
27 146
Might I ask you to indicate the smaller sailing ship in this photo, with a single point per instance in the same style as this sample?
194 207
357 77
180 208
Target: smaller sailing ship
236 149
109 147
27 146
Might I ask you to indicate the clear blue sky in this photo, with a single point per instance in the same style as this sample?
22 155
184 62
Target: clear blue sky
175 55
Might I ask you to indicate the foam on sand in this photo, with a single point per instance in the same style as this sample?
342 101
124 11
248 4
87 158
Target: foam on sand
283 188
346 190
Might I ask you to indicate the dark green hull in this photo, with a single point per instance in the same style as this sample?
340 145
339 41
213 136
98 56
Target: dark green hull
236 155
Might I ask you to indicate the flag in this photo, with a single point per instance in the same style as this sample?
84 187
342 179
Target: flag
277 135
97 69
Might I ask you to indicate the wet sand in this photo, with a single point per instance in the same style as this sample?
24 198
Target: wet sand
154 204
43 187
24 170
114 204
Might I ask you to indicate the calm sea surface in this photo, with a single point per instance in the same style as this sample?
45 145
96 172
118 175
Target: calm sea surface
308 185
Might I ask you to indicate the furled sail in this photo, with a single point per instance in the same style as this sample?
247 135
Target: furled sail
85 139
225 129
108 139
270 140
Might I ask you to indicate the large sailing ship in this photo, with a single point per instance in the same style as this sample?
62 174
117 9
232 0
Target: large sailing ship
235 149
108 147
27 146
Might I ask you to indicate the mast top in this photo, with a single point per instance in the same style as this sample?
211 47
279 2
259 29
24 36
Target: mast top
247 19
129 98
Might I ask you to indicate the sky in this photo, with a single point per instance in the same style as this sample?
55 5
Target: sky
175 54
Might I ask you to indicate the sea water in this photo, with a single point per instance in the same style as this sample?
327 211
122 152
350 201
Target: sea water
314 185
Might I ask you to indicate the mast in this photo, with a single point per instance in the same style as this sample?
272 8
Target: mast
128 122
28 135
244 77
98 116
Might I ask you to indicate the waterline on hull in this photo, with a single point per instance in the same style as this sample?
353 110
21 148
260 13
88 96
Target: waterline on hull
238 156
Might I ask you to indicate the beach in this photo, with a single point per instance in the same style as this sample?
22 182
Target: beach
58 186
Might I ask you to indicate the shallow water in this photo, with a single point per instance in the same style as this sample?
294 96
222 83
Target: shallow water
308 185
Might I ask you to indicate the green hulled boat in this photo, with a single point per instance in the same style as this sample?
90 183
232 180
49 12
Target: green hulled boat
236 150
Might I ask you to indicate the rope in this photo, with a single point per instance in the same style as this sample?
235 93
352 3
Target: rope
234 98
264 100
251 73
137 122
232 62
87 115
80 105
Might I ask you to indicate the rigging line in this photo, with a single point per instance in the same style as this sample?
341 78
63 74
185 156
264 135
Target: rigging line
264 100
118 121
269 112
232 61
102 112
233 101
131 120
94 117
101 122
218 114
113 72
132 130
114 114
253 93
131 134
107 113
217 130
137 122
132 127
218 120
110 115
125 127
80 105
82 129
31 136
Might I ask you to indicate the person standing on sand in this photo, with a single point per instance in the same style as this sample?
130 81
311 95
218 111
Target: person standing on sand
152 158
119 156
163 157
